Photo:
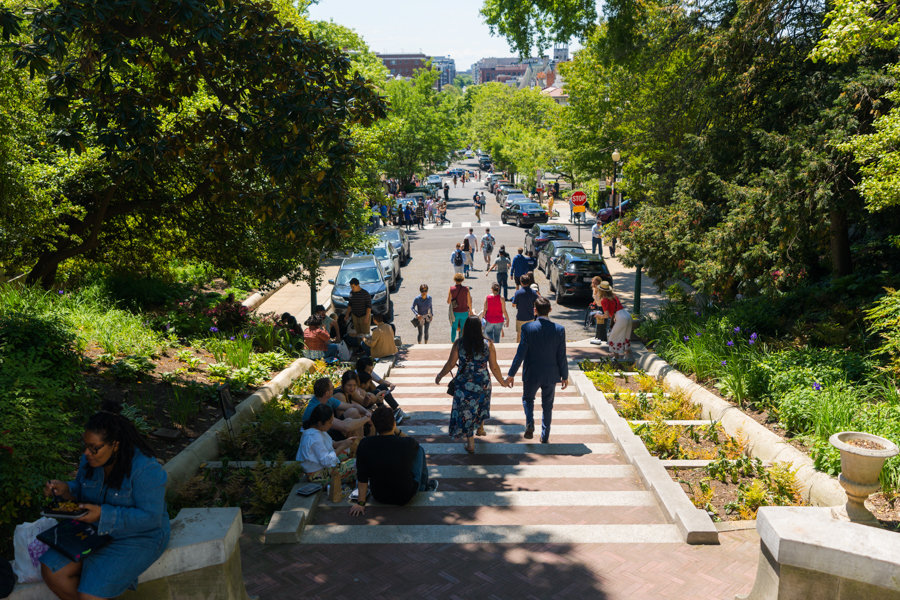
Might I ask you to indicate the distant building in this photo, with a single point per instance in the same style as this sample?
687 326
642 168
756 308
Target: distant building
447 67
501 73
403 65
491 63
559 96
560 53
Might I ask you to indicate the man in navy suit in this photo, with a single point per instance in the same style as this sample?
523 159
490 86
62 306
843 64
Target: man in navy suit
543 350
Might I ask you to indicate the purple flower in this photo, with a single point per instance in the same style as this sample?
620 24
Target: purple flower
753 336
231 338
697 313
214 329
737 329
697 334
752 341
730 343
61 292
817 387
724 363
686 338
246 336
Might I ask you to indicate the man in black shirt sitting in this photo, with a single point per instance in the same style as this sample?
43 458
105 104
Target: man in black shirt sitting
392 463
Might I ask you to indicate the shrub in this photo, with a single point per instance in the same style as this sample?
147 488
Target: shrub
884 321
277 429
40 383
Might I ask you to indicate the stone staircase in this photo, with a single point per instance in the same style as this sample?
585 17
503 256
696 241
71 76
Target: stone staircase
577 489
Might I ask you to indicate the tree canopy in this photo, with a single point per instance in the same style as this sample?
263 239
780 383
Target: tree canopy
180 126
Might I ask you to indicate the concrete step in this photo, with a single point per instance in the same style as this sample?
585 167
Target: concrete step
506 498
491 534
408 389
543 471
499 415
402 365
523 448
426 430
510 402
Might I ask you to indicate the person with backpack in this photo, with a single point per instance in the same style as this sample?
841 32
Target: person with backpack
470 247
487 245
458 260
620 334
477 200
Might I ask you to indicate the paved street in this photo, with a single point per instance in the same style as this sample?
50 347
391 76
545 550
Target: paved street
430 264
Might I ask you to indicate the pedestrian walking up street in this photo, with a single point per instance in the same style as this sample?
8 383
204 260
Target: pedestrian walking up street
494 314
460 301
597 239
458 260
420 215
487 245
472 242
542 354
446 192
473 355
502 264
476 199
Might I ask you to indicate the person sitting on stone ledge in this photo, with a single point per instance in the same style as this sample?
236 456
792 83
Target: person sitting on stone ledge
350 420
319 455
381 342
123 489
391 463
351 392
379 384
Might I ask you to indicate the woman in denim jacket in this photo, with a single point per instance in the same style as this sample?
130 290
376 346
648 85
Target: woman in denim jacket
123 488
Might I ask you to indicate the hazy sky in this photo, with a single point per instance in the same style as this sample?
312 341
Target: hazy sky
438 28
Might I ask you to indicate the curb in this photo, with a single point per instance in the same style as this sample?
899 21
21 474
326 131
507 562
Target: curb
694 524
206 447
818 488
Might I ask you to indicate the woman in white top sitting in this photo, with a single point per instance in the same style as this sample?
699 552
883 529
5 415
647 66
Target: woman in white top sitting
319 455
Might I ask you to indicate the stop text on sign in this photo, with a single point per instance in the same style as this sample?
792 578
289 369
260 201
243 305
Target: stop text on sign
579 198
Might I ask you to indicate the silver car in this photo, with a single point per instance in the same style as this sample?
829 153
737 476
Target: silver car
390 262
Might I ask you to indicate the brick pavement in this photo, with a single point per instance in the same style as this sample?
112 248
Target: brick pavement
387 554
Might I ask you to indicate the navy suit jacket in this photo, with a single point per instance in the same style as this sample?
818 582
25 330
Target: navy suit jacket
542 348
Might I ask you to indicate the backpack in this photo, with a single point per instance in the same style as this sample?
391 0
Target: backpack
488 244
458 258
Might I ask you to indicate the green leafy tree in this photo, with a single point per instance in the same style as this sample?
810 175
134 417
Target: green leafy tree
216 118
462 80
527 24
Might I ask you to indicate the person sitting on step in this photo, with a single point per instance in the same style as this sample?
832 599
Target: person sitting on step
391 463
351 392
319 454
350 420
379 384
381 343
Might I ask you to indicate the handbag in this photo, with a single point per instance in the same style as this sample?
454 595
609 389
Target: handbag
451 387
415 322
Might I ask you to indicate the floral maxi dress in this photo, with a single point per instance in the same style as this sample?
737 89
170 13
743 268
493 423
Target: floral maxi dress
472 400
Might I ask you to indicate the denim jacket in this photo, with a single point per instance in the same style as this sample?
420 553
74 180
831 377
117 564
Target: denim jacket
138 507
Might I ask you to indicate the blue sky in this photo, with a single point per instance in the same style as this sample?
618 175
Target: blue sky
436 28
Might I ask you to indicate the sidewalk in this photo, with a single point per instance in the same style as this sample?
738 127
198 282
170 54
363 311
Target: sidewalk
294 298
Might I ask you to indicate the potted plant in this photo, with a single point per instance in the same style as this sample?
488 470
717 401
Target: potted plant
862 457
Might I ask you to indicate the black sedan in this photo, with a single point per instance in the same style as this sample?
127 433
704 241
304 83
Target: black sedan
557 248
571 274
539 235
524 213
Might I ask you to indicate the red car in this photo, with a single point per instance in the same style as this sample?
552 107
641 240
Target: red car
607 214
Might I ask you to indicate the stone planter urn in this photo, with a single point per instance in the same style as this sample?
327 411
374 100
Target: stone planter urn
862 457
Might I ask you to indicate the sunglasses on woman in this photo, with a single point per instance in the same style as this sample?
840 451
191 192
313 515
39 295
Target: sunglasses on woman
92 449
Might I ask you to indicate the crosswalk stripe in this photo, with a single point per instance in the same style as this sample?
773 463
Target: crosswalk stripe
423 415
490 534
496 402
535 471
507 498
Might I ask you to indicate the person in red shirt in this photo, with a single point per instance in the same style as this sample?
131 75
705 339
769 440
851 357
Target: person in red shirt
620 334
317 340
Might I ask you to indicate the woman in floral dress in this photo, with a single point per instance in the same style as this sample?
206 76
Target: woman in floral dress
473 354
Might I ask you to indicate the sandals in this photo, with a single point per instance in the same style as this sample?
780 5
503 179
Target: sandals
470 450
480 430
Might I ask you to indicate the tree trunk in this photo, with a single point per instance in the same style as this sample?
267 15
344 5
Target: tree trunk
841 259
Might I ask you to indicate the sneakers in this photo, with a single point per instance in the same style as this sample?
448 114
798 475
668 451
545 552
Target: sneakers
598 342
354 495
399 415
529 432
432 485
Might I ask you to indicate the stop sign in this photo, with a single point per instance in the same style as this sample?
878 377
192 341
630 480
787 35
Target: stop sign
579 198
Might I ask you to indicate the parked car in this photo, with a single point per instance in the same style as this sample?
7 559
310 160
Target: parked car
455 172
524 213
367 269
495 185
434 180
511 199
398 239
557 248
502 187
571 274
492 179
607 214
506 191
537 236
390 262
469 154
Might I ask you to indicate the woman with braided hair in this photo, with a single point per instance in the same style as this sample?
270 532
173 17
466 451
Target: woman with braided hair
122 487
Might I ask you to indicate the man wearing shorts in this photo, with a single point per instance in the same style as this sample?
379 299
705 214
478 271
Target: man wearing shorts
473 246
487 245
359 308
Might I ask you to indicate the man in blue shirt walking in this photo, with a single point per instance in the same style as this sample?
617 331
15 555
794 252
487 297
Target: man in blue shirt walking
519 267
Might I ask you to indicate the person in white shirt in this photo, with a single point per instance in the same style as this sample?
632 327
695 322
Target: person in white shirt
596 239
319 455
473 246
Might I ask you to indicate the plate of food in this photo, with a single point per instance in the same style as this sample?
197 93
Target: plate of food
64 510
